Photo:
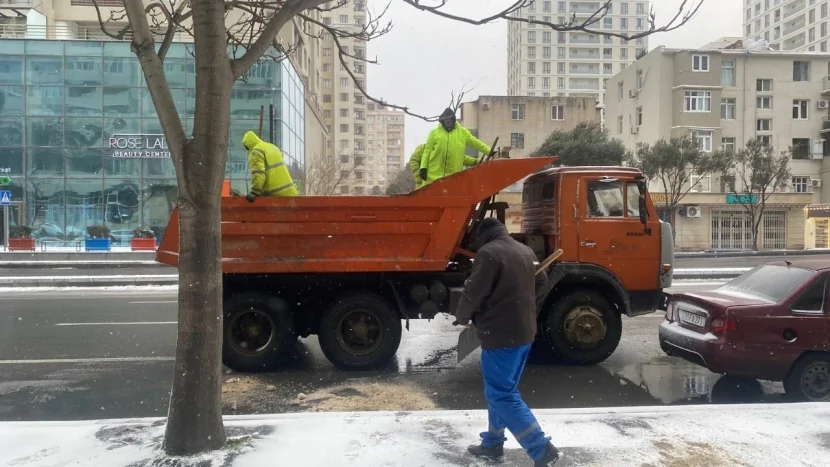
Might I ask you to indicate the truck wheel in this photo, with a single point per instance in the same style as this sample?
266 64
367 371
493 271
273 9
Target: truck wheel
809 379
258 329
582 328
360 332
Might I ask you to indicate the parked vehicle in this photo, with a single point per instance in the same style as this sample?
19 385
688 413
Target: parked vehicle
351 268
771 323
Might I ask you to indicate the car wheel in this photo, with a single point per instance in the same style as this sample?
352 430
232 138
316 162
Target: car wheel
258 330
582 328
809 379
360 332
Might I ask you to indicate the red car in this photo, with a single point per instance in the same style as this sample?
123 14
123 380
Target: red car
771 323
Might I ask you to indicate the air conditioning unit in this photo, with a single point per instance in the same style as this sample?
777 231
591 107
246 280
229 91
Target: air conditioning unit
693 211
815 182
816 148
485 106
822 104
632 93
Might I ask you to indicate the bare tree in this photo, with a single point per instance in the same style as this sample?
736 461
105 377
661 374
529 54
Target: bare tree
404 182
250 28
325 174
759 172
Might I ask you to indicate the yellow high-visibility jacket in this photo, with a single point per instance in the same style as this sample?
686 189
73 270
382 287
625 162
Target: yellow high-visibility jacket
444 152
269 174
415 164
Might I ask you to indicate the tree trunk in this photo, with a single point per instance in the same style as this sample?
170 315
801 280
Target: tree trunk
194 422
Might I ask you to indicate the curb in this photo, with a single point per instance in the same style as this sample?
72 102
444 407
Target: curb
82 264
749 254
172 279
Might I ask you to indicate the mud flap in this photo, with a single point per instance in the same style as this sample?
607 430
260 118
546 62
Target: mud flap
467 343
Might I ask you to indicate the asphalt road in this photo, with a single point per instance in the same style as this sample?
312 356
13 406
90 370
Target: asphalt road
72 355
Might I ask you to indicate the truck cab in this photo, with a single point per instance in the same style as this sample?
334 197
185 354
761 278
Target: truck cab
617 255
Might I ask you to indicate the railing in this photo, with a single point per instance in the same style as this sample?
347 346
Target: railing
19 3
22 31
793 10
584 40
101 3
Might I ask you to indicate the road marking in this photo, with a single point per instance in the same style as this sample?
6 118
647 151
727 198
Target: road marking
89 360
160 301
116 323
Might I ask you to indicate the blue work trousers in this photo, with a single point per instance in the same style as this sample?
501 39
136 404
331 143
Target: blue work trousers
502 369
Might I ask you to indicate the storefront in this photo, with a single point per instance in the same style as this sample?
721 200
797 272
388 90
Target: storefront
71 113
817 232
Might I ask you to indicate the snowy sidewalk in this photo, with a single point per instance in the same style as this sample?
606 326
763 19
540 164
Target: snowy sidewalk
749 435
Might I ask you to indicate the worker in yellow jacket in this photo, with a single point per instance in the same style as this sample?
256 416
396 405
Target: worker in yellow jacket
269 174
415 164
444 149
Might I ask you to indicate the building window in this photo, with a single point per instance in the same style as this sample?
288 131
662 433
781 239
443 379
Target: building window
517 140
801 71
704 138
619 125
639 116
700 63
727 109
698 101
344 97
607 23
560 67
560 83
531 68
727 73
763 124
557 112
517 112
546 68
763 85
700 184
344 81
727 144
640 79
531 37
800 148
620 90
546 83
764 102
546 37
344 128
766 140
801 184
326 98
531 52
531 82
344 112
800 109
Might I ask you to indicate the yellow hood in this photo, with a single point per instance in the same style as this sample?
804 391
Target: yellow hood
250 140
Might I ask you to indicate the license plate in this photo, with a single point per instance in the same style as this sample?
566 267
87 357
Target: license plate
693 319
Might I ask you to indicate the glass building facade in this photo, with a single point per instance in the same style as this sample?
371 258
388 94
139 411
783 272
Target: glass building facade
63 103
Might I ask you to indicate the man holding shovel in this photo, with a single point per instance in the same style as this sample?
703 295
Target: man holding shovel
501 299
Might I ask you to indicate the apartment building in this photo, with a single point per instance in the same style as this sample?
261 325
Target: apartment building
543 62
386 155
798 25
344 105
522 123
725 98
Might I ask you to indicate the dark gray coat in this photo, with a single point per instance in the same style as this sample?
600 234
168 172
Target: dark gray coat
502 292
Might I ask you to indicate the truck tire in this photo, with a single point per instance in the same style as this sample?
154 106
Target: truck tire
808 378
360 332
582 328
257 331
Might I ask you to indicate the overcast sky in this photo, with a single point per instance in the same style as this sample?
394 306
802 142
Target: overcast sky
425 58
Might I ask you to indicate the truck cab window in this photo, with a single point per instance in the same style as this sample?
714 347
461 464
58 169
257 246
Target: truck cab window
605 199
632 197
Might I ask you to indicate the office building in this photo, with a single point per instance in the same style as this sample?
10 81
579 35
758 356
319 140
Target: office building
725 98
797 25
386 155
344 105
543 62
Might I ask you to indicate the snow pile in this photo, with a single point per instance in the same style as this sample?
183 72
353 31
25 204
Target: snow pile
367 398
756 435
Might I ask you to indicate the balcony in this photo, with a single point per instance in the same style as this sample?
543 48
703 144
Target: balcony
793 42
70 31
584 84
584 70
825 86
584 39
825 127
585 54
794 8
794 25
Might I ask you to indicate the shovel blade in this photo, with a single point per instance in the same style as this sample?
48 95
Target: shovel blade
467 343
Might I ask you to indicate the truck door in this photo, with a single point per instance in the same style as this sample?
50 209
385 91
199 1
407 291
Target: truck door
611 234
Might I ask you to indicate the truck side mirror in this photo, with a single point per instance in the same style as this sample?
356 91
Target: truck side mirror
644 214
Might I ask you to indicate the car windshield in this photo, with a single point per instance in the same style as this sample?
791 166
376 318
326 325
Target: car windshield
770 282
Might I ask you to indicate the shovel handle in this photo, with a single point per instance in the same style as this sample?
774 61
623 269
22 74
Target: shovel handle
548 261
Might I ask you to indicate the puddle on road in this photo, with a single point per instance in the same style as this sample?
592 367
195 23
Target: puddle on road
674 381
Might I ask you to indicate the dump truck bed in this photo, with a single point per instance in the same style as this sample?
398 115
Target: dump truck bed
418 231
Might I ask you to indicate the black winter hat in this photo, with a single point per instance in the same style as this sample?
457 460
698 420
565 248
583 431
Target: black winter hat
487 224
448 113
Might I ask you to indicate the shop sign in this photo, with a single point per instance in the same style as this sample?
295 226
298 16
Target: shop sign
149 146
5 170
658 197
745 198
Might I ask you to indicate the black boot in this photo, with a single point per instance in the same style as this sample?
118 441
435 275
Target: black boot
493 453
551 456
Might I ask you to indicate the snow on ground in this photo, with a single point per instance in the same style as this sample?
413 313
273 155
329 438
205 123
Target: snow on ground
749 435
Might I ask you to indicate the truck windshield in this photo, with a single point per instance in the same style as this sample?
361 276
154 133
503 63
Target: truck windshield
770 282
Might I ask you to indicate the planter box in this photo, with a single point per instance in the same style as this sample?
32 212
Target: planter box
143 244
97 244
21 244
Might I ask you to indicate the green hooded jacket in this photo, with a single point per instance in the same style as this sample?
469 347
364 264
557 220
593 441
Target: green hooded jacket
444 152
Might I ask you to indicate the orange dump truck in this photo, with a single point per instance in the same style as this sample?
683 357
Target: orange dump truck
351 269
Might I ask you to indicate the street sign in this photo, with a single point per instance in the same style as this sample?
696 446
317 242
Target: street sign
5 198
5 181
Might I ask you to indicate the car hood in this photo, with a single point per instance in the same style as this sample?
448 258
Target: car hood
726 297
